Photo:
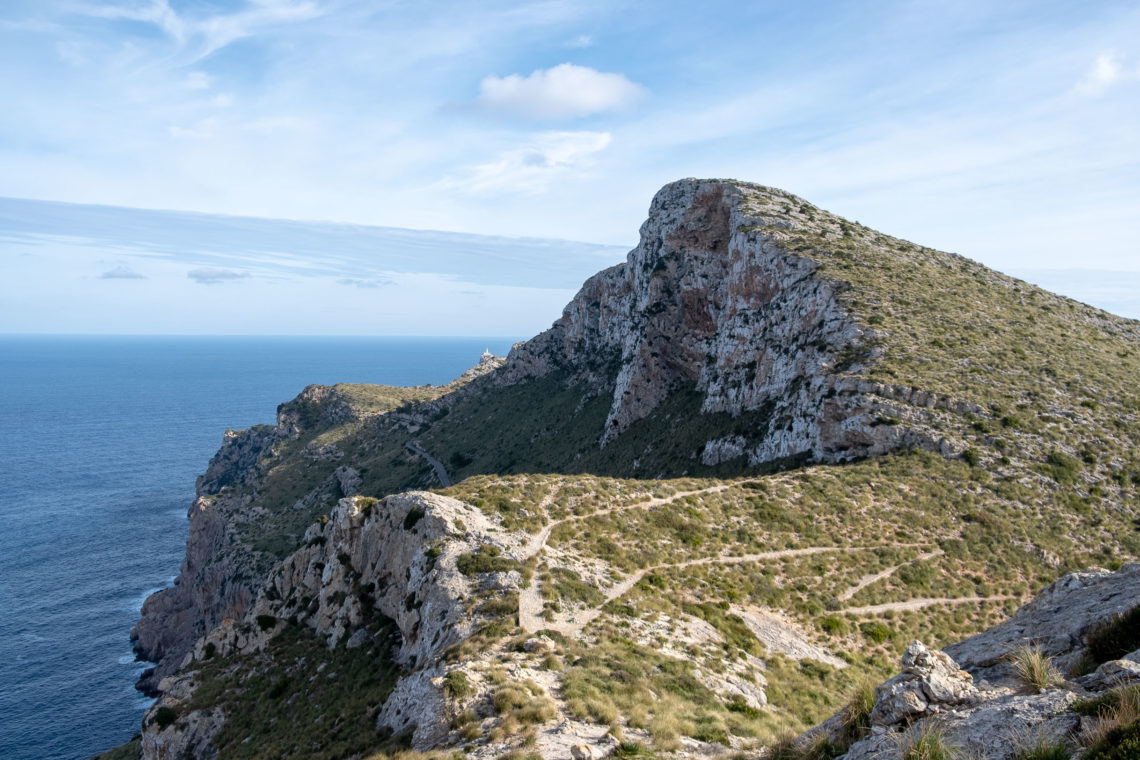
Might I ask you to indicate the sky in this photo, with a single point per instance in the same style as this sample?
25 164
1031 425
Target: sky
1006 132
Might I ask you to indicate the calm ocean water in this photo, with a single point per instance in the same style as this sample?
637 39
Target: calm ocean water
100 441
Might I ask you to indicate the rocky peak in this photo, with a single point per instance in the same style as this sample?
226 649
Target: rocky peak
711 300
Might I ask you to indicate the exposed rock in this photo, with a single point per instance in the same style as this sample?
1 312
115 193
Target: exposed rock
929 682
708 301
991 721
1057 620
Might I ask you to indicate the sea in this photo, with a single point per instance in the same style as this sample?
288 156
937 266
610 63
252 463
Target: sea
100 441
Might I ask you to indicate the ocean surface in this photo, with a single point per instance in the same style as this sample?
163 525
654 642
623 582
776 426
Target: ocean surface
100 441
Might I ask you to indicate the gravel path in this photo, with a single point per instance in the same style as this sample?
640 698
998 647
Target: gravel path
867 580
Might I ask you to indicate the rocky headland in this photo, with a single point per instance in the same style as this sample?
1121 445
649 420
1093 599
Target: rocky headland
740 475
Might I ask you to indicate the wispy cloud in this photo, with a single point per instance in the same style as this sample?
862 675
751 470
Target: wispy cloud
359 283
1105 72
565 91
533 166
122 272
207 33
215 276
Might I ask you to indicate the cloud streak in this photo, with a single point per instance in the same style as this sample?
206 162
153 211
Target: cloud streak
215 276
122 272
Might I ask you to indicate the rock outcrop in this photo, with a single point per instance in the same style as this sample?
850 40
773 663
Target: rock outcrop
970 694
396 557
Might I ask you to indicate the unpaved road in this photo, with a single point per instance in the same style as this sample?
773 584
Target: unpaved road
440 473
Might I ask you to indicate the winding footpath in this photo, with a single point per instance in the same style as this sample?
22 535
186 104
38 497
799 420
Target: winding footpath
440 473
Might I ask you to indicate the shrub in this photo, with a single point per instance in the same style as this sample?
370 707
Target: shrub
265 622
488 559
415 514
875 631
457 684
833 624
1116 638
165 716
1034 668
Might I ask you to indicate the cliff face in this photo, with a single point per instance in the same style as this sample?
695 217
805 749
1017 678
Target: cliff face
710 300
211 585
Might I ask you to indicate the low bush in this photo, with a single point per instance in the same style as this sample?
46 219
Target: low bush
1116 638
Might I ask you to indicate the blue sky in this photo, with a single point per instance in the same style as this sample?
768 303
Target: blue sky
1003 131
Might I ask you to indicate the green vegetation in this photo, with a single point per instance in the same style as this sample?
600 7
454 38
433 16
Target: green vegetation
1119 743
1116 638
300 699
926 741
129 751
1043 748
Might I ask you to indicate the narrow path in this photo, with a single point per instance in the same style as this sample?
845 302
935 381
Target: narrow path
867 580
918 604
573 624
530 598
440 473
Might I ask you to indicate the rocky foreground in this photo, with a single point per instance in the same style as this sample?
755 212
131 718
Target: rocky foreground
1013 688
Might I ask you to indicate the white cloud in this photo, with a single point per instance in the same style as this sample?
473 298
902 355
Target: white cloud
532 167
565 91
1105 72
581 41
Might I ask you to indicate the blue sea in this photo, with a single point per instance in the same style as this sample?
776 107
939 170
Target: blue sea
100 441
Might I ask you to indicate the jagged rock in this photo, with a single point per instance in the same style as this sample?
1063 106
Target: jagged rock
929 682
189 736
1110 674
582 752
349 480
992 722
1057 620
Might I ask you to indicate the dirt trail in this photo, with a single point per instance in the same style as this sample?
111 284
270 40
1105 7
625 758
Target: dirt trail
530 598
573 623
867 580
918 604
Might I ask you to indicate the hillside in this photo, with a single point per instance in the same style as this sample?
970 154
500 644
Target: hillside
734 480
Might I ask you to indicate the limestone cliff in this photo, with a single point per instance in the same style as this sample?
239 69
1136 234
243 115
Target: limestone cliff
712 299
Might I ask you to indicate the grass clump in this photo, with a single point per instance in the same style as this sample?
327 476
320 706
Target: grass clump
1034 668
1117 714
857 712
1043 748
927 741
1118 743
